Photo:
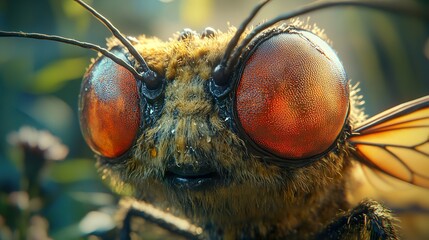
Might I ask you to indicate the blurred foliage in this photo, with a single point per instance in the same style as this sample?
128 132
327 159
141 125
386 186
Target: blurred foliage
40 81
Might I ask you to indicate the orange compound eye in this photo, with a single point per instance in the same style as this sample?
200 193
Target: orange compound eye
292 98
109 107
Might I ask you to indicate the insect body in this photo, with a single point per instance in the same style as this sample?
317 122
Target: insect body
243 145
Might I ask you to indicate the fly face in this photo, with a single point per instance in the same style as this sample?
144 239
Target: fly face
249 133
192 151
214 151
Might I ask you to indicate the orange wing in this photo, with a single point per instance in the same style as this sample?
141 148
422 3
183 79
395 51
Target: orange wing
396 142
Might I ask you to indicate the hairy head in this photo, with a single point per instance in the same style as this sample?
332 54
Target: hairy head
191 159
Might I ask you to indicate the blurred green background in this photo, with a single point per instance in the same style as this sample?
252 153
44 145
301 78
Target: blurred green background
40 80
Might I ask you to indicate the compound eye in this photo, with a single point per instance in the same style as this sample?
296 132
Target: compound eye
292 98
109 107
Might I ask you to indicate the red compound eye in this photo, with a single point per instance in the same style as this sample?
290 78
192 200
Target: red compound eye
292 98
109 107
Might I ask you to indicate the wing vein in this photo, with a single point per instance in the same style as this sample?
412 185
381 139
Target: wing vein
355 143
396 142
380 130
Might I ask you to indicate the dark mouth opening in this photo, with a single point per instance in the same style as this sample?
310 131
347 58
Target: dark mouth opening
192 181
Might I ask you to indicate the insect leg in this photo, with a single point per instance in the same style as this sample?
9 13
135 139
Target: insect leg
369 220
140 216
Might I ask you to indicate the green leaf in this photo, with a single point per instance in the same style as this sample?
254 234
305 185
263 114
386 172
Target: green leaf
73 170
56 74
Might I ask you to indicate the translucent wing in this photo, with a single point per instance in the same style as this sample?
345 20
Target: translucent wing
396 142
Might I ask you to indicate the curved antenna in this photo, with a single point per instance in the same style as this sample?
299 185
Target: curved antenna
240 31
73 42
116 33
219 75
385 6
149 77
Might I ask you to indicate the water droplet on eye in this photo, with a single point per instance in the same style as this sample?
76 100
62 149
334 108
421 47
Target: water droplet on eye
227 119
209 139
153 152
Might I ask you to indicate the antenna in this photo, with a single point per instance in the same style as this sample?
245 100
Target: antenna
74 42
219 75
149 77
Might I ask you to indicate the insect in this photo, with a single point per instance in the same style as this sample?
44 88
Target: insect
244 145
